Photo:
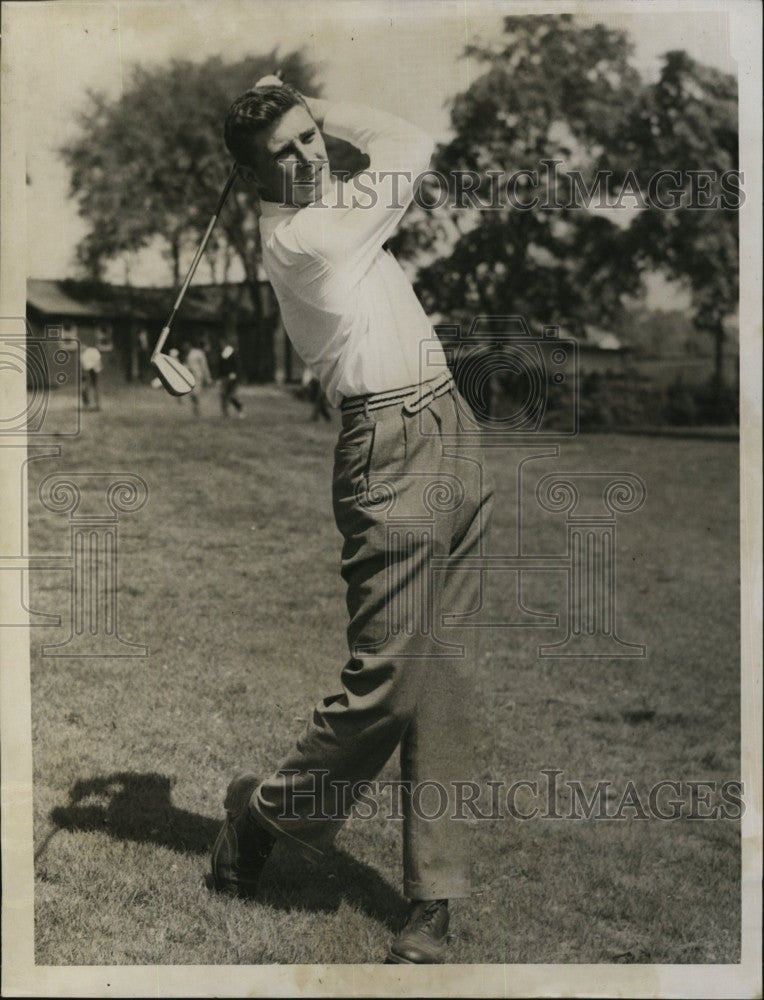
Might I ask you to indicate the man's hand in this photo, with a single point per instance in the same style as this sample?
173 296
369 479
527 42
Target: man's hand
316 106
269 81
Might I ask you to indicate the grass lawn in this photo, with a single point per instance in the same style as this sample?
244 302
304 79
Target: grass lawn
230 576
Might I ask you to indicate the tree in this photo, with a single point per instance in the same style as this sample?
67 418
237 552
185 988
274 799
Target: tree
561 99
686 123
149 167
552 94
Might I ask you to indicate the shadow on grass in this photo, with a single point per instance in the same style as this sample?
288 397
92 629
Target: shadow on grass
131 806
289 883
138 807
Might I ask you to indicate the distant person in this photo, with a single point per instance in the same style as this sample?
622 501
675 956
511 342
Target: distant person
175 353
315 395
228 370
92 365
144 353
196 362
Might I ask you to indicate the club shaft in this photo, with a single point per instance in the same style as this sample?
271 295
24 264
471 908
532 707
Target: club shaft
195 262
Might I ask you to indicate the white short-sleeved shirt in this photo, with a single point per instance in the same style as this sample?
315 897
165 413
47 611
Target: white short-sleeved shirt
91 360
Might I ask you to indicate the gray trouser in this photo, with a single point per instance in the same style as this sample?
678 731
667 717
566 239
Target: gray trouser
411 505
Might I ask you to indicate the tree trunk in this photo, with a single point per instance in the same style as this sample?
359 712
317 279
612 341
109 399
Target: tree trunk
175 251
132 338
718 332
134 364
257 341
256 360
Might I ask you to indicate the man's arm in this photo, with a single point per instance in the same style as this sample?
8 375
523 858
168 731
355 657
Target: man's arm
376 199
317 108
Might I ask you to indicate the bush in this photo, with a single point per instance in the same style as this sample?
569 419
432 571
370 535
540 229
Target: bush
610 404
679 406
717 404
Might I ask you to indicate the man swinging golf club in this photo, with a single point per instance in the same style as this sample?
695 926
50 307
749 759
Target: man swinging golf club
354 319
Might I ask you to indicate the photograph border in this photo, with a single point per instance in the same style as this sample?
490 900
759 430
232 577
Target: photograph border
21 977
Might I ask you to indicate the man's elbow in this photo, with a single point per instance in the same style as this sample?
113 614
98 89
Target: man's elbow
423 146
407 149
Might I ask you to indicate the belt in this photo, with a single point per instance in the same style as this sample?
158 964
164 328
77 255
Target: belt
413 398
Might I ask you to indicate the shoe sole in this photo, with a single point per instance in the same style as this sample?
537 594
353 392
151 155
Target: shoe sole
393 959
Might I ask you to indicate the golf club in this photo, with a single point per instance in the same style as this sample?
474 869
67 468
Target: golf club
173 375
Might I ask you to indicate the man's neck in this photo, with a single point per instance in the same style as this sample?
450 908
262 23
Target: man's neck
269 209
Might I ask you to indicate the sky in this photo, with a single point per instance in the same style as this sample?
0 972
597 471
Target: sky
400 55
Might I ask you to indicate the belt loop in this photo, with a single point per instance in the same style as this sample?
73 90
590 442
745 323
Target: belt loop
366 409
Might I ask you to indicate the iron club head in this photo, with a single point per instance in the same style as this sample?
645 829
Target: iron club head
173 375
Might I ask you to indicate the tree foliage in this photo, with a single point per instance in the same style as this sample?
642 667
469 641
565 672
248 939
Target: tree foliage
551 91
552 95
687 122
554 89
150 165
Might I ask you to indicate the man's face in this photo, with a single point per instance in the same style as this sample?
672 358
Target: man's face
290 164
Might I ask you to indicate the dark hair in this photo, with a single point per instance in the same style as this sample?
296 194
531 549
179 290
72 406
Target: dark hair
253 112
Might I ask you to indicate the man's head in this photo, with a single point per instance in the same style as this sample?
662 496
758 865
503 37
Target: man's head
277 145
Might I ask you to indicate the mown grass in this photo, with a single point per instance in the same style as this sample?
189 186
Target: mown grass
229 575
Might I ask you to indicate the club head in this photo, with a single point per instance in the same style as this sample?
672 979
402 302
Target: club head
174 376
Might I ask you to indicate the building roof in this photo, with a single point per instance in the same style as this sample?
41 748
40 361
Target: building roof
49 297
98 300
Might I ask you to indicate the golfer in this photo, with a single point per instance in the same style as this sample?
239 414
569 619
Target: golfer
410 507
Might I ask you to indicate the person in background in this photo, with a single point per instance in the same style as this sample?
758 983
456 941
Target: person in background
228 370
196 362
144 354
91 364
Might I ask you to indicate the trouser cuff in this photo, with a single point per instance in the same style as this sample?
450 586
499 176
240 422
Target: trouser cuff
435 889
